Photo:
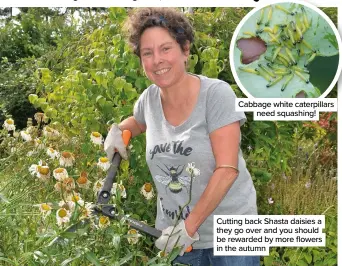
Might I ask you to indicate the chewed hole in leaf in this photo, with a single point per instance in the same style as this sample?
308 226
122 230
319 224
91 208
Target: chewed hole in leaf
301 94
251 49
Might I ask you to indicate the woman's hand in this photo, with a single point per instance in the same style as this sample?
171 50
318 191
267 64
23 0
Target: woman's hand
114 141
176 237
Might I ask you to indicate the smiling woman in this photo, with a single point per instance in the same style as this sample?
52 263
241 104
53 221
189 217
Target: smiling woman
192 140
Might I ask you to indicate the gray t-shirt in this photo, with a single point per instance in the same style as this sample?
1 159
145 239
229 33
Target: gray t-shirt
169 151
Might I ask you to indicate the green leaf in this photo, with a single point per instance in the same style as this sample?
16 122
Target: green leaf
3 198
100 100
7 260
67 261
268 261
301 263
68 235
307 257
51 112
125 259
44 74
92 258
33 98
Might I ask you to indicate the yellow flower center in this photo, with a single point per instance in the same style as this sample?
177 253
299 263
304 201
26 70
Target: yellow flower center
62 213
148 187
45 207
82 180
103 159
38 141
122 188
66 154
51 150
132 231
43 170
84 174
10 121
98 185
59 170
103 220
96 134
75 198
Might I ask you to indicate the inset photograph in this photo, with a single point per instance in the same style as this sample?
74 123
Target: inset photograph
286 50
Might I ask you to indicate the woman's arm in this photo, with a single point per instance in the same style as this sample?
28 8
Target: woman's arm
132 125
225 145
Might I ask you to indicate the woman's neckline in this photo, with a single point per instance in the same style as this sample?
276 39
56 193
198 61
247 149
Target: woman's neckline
193 111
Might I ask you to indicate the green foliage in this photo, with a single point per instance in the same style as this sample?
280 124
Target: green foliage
17 82
91 79
306 256
33 33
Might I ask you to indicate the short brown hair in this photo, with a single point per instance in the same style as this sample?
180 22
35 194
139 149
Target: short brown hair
171 19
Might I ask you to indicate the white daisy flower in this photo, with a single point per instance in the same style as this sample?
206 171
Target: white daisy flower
96 138
66 159
97 186
120 187
133 236
270 201
25 135
87 210
39 117
9 124
147 191
83 181
52 153
50 132
62 216
33 169
16 134
104 222
43 172
67 185
39 144
30 129
68 205
161 254
60 174
76 198
192 170
45 209
103 163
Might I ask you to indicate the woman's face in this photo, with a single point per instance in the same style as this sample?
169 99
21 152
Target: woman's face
161 57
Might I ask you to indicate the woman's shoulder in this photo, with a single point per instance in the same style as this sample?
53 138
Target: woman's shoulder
215 86
150 92
211 83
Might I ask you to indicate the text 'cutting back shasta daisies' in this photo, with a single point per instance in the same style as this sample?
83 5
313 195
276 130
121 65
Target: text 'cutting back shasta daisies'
237 235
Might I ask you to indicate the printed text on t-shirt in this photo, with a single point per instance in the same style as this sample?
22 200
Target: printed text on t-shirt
176 148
